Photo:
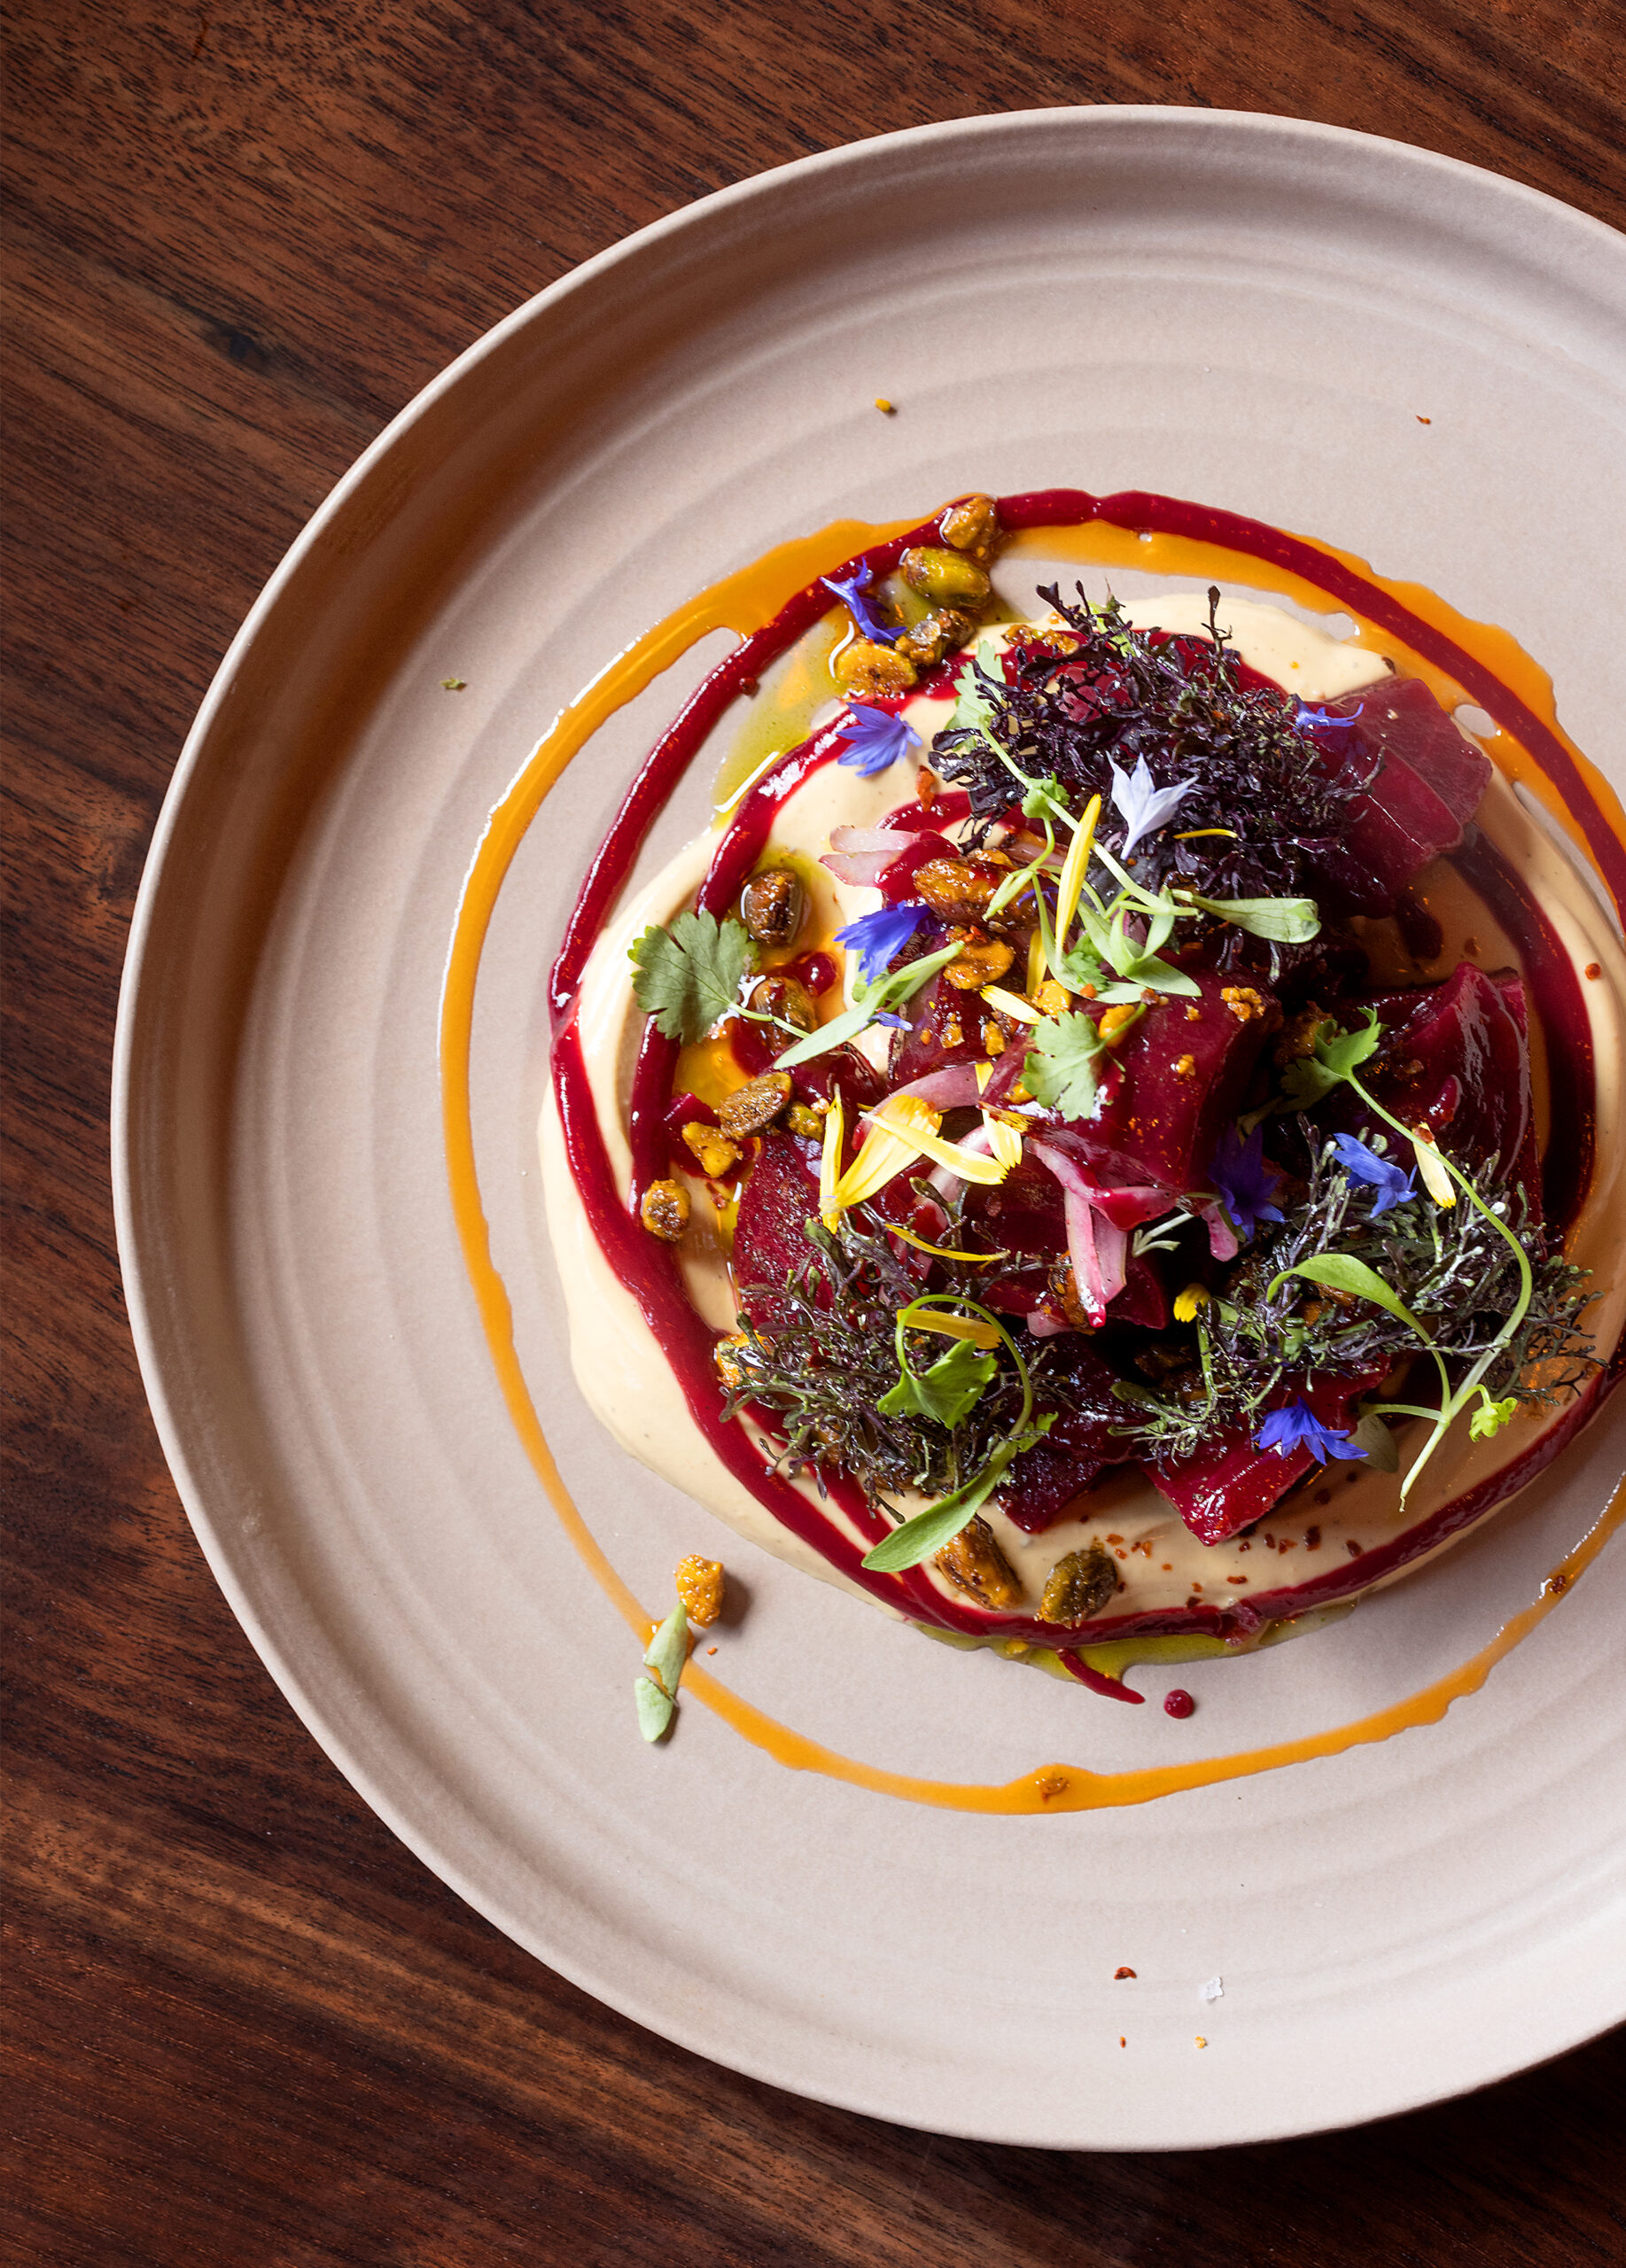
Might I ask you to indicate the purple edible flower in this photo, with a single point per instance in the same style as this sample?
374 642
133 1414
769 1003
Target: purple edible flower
849 590
1244 1180
1307 715
1145 807
1298 1427
876 738
1393 1186
876 937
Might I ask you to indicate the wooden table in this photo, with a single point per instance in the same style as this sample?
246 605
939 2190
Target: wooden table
248 2028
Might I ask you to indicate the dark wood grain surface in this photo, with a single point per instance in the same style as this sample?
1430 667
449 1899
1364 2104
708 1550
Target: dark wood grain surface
245 2026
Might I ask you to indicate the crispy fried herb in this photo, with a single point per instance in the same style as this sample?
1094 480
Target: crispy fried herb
1258 802
826 1372
1453 1269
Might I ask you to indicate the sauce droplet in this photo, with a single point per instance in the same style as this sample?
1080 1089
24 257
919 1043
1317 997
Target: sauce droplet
1179 1702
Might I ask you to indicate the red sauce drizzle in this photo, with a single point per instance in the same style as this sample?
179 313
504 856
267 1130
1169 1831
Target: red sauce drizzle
648 1269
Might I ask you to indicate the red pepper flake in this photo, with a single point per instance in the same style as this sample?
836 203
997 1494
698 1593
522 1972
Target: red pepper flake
1557 1583
1168 1567
1118 1973
1312 1539
1236 1578
1121 1555
710 1649
1244 1547
751 687
1420 418
1323 1496
1115 1539
1594 970
1122 2042
1353 1549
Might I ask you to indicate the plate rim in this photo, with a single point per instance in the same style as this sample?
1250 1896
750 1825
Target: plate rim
176 1431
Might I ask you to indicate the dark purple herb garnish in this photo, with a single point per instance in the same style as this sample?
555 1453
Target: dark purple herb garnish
1261 802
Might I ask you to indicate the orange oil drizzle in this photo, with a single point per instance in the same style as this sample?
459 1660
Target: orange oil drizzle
745 603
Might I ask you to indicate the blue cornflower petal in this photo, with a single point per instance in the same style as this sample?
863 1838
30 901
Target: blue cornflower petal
850 589
876 738
1298 1427
1144 806
876 937
1393 1186
1307 715
1244 1180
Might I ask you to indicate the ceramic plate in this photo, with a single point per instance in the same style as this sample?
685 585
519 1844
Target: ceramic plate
1375 347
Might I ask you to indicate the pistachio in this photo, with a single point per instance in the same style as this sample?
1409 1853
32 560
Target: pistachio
771 907
943 631
973 524
955 889
946 578
664 1210
752 1109
1078 1586
726 1359
982 959
974 1564
700 1587
871 671
804 1122
1065 1285
715 1152
783 996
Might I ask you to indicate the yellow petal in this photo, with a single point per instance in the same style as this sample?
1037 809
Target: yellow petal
829 1162
1006 1140
1187 1303
941 1251
1036 961
883 1157
956 1326
1074 867
984 1072
1436 1180
1011 1005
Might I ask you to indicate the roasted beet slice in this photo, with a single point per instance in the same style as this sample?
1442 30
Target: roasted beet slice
1229 1484
1078 1450
1430 782
1456 1057
769 1243
1183 1070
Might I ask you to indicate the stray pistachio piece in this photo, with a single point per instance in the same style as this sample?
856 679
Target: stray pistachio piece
700 1587
752 1109
872 671
771 907
664 1210
805 1122
974 1564
713 1148
1079 1584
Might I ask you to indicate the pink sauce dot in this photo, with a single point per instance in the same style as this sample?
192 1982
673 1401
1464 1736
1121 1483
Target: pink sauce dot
1179 1702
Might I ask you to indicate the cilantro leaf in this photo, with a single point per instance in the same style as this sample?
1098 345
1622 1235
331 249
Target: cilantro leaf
1338 1055
952 1387
1060 1071
689 973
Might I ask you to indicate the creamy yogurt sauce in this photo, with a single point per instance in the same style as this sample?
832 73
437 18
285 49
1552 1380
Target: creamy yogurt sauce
1329 1522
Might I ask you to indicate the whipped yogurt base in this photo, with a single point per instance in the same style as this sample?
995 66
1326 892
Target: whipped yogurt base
628 1384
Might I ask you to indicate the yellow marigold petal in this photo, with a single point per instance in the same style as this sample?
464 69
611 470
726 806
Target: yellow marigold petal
830 1163
957 1326
1436 1180
1006 1140
1074 867
1011 1005
1190 1302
